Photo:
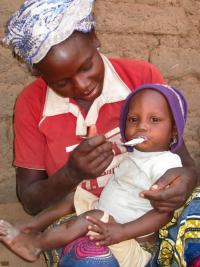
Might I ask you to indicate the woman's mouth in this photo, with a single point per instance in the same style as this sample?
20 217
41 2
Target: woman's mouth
87 93
92 94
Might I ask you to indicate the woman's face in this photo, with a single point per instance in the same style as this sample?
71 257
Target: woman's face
149 116
74 68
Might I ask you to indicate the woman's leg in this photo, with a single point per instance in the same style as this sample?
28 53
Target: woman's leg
85 253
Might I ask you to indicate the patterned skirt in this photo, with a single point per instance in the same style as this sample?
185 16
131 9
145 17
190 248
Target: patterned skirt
80 253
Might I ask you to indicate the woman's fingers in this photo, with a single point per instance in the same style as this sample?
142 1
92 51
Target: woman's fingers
167 178
167 199
162 206
92 148
161 195
91 157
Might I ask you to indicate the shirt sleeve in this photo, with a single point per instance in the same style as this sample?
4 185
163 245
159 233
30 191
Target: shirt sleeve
164 163
29 143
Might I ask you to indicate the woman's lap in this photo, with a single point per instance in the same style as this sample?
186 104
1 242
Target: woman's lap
84 252
81 252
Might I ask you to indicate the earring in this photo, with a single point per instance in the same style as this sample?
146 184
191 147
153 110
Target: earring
98 48
174 140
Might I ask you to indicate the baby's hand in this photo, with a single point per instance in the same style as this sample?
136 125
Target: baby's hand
107 233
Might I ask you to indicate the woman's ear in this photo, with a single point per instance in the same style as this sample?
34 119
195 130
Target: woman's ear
34 71
95 39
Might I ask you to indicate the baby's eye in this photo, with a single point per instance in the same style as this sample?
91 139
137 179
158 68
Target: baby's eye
133 119
155 119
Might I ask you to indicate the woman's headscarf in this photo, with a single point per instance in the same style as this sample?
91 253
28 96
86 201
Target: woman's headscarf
40 24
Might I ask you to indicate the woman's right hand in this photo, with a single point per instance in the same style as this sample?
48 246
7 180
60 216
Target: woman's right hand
37 191
90 158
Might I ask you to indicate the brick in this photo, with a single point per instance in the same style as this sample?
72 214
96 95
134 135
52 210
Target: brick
128 46
8 93
159 2
137 18
176 62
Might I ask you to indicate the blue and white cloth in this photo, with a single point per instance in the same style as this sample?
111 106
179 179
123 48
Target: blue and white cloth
40 24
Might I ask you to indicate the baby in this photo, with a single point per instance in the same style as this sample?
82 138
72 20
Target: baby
121 217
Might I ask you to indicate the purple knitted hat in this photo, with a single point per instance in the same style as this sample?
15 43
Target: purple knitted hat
177 104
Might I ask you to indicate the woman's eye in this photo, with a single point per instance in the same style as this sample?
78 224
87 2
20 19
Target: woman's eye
59 84
87 67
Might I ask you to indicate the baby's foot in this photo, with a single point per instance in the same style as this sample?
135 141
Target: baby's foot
20 243
7 232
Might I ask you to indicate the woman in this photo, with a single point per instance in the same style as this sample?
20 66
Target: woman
78 87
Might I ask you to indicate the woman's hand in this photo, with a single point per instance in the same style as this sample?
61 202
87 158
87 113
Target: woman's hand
90 158
172 190
107 233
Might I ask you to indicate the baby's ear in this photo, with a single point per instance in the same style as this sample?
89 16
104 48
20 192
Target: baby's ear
174 131
174 135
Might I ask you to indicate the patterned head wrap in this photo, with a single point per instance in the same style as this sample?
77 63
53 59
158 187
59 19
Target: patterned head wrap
177 104
40 24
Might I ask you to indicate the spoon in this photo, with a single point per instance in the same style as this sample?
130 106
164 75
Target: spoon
133 142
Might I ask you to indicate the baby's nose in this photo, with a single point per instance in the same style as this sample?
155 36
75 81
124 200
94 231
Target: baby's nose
143 125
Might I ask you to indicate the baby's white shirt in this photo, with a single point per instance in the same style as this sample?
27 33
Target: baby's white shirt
138 171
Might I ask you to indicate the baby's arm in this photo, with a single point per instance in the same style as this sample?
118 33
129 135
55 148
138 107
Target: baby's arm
48 216
112 232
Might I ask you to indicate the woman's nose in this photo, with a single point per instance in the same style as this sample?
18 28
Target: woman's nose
81 82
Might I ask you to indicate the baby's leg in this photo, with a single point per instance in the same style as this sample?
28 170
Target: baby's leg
29 246
45 218
63 234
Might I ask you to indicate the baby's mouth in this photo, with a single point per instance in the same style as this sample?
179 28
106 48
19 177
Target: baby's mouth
141 136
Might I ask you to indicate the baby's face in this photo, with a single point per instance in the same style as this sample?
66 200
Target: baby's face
149 116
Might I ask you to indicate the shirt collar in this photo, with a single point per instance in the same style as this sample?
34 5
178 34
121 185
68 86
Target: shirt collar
143 155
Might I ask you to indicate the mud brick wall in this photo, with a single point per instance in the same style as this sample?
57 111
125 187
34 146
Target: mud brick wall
163 32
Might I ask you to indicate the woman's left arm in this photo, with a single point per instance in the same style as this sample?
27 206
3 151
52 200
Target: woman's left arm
173 189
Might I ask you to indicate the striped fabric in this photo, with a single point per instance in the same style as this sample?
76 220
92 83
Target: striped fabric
180 239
